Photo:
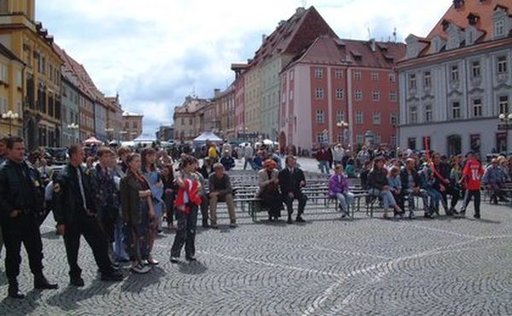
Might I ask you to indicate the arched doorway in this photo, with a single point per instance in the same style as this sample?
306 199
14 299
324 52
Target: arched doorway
282 142
454 145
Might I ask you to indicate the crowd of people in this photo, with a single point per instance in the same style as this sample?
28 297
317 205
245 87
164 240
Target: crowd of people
119 199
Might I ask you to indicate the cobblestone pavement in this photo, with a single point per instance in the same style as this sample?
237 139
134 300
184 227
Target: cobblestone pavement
327 266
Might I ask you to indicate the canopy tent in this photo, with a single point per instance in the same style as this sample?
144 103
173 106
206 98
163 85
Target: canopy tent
92 141
207 136
144 138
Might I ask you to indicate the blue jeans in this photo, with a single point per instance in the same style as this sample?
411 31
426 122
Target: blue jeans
120 253
387 197
345 199
323 165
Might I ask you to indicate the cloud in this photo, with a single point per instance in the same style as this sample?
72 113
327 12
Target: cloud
156 52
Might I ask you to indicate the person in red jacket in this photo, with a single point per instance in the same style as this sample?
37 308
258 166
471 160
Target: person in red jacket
471 178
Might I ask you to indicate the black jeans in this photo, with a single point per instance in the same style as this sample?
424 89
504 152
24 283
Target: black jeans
186 232
454 192
289 203
88 227
476 202
22 229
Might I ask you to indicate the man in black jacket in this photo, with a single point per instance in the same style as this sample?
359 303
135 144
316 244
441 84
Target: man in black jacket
21 201
75 213
444 185
411 186
291 182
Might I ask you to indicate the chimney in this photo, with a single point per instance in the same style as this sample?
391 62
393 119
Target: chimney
216 92
372 45
263 38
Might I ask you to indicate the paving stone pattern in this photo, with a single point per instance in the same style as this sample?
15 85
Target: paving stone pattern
326 266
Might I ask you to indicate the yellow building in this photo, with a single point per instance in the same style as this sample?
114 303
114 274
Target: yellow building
11 93
40 78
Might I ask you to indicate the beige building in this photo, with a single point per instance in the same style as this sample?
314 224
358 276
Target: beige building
189 119
114 118
132 123
225 108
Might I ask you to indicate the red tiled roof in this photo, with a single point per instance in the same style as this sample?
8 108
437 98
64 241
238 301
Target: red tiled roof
329 50
293 35
484 9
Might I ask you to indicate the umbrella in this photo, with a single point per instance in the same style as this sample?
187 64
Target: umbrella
92 140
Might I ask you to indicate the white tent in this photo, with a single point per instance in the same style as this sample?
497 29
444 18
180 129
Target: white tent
207 136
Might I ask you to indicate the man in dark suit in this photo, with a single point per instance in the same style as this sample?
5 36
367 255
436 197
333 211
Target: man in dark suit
21 201
75 214
291 181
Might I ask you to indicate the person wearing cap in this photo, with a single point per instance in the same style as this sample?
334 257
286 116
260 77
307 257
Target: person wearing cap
268 189
471 178
220 190
291 182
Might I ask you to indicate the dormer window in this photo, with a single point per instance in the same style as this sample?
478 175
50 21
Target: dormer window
472 19
445 24
458 4
499 28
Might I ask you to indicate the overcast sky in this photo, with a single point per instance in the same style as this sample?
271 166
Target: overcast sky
156 52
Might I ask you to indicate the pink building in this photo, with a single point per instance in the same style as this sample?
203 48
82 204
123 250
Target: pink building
338 91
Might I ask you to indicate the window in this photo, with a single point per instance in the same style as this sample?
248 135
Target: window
3 73
321 137
319 93
189 121
425 142
19 83
359 117
477 108
456 110
134 125
320 116
391 77
393 96
502 64
427 79
340 116
375 76
340 94
291 75
319 73
428 113
376 118
358 95
413 114
360 138
357 75
475 69
454 75
376 95
338 73
291 95
499 28
393 119
503 104
412 81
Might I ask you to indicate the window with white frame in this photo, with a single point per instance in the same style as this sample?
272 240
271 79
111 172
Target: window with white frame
291 95
391 77
393 119
3 73
319 73
475 69
377 139
19 79
376 118
413 114
503 103
3 105
375 76
499 28
359 117
321 137
360 138
357 75
340 93
358 95
319 93
284 97
502 64
340 116
428 113
412 81
477 108
393 96
456 110
454 74
338 73
376 95
427 79
319 116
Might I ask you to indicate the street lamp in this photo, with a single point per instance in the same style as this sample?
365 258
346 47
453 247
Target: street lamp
506 118
74 127
11 116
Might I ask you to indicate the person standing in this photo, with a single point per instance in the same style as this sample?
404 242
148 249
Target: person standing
186 204
137 207
291 182
248 155
21 200
3 154
471 177
75 214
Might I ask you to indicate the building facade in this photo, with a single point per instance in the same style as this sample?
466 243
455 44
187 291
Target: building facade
114 118
11 93
224 103
339 91
456 82
132 123
189 118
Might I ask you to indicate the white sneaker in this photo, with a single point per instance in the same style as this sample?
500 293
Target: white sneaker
140 268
